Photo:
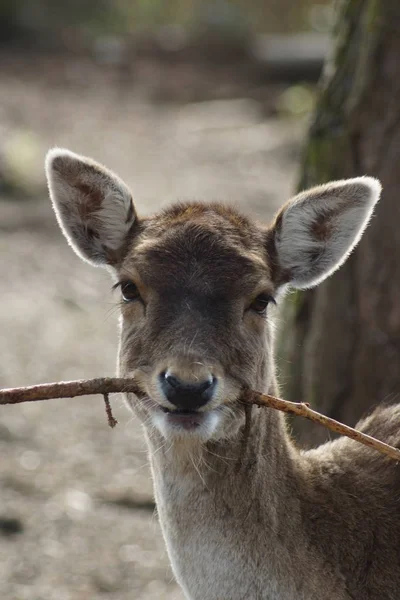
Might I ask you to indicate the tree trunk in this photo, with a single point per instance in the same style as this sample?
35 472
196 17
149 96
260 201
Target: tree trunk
339 347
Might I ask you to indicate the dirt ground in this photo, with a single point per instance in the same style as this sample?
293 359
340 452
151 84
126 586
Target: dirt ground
77 518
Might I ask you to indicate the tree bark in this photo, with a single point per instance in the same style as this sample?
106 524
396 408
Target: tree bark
339 345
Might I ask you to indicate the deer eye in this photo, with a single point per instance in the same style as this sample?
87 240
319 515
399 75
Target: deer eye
259 305
129 291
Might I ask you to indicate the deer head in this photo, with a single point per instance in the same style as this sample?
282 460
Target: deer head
198 284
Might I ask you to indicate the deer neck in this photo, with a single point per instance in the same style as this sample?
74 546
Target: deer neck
262 451
214 501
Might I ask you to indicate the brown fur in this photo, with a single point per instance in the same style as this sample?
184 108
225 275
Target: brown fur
347 497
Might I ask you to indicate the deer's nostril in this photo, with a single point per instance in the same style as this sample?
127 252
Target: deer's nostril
172 380
187 396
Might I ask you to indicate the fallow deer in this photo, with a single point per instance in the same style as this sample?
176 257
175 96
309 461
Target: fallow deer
244 513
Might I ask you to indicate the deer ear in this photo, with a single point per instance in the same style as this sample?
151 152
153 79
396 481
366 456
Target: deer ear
315 232
93 206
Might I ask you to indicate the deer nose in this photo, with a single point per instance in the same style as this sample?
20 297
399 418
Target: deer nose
187 396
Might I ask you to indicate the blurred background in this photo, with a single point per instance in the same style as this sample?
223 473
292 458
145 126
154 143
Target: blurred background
185 100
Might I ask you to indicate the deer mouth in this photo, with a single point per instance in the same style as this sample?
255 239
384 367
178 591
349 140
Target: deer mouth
187 419
198 424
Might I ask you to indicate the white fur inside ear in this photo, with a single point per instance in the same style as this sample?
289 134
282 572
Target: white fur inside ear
93 205
317 230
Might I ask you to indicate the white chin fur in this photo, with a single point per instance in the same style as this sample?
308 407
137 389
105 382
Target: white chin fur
204 432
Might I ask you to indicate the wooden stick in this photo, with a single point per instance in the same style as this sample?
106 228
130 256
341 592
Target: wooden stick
68 389
110 417
113 385
302 409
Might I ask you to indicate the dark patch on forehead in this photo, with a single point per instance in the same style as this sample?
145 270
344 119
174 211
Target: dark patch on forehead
193 257
199 247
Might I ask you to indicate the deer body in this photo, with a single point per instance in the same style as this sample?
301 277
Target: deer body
244 513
